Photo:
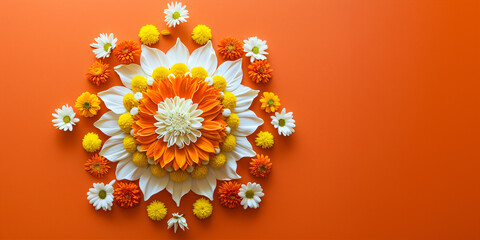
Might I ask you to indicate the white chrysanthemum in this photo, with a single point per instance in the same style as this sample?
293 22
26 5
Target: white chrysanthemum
64 119
179 121
151 59
175 14
177 220
101 196
255 48
284 122
104 45
251 194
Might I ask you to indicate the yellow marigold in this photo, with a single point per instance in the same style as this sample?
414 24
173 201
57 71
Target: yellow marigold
156 210
201 34
264 140
270 102
87 104
91 142
202 208
149 34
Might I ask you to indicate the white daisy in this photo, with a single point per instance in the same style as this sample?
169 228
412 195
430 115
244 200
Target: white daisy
177 220
64 119
151 59
284 122
251 194
104 45
101 196
255 48
175 13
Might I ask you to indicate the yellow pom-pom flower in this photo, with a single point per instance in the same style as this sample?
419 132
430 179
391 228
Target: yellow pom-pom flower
229 101
200 172
179 69
140 159
199 72
229 144
233 121
160 73
264 140
91 142
179 176
220 83
270 102
129 101
156 210
87 104
218 161
129 144
125 122
201 34
202 208
139 83
149 35
158 171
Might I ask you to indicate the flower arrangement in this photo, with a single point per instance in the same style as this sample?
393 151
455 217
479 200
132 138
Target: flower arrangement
178 123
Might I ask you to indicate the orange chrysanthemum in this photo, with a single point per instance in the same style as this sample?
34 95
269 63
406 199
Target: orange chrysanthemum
87 104
126 51
196 91
260 71
97 166
127 194
230 48
260 166
228 194
98 72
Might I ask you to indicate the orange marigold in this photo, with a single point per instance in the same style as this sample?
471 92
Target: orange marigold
126 51
260 166
98 72
127 194
230 48
228 192
97 166
260 71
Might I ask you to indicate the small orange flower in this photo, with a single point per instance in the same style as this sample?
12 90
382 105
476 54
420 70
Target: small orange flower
126 51
127 194
228 192
270 102
260 166
260 71
88 104
230 48
97 166
98 72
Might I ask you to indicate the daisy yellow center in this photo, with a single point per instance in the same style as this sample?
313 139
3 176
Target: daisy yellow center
66 119
176 217
107 46
281 122
270 102
176 15
249 194
255 50
230 47
179 121
102 194
86 105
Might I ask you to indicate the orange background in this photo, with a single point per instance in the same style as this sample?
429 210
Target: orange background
385 95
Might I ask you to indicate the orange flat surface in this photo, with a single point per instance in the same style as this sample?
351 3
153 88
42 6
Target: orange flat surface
385 95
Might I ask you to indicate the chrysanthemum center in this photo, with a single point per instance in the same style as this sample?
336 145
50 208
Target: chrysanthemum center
97 71
176 15
96 166
270 102
249 194
126 49
102 194
230 47
107 46
66 119
86 105
261 69
255 50
262 168
179 121
281 122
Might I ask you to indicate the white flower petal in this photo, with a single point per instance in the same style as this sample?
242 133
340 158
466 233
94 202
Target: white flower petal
249 122
126 169
178 54
127 72
204 57
229 170
113 149
245 96
232 72
151 58
151 184
113 98
178 189
206 185
242 149
108 124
